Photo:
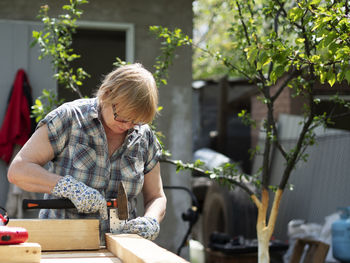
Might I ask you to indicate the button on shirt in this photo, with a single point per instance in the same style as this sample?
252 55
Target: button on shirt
80 147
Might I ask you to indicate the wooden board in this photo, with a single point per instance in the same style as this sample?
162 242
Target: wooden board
21 253
101 256
135 249
61 234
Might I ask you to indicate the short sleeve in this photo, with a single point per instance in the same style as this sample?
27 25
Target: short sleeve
59 126
154 152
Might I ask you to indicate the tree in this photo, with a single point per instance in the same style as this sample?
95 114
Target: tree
55 40
278 45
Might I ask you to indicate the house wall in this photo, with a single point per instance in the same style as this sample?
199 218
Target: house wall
15 53
175 119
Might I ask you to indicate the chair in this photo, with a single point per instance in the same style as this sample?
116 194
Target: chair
315 251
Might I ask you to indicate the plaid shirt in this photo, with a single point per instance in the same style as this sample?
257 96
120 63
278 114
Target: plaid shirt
80 147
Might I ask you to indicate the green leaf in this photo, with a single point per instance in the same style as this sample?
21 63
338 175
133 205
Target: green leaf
331 36
279 71
38 103
315 2
263 58
347 76
323 76
315 58
331 78
299 41
252 54
295 14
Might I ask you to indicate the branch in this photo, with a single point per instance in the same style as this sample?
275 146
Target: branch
282 8
285 83
340 115
274 211
267 148
278 144
285 14
291 162
225 62
307 41
207 173
242 21
65 65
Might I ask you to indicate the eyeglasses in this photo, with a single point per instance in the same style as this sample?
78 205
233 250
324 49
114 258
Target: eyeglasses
118 119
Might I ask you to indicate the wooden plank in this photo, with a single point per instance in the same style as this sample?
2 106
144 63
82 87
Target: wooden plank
81 260
62 234
101 256
20 253
132 248
78 254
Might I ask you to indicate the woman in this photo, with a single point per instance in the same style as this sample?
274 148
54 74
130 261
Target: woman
90 145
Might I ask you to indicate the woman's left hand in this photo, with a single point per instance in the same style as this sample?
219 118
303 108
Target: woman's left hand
146 227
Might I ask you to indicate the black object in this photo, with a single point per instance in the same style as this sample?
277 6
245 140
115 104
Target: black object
191 215
4 216
232 246
63 203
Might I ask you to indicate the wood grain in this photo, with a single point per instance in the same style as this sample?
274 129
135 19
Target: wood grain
61 234
100 256
20 253
131 248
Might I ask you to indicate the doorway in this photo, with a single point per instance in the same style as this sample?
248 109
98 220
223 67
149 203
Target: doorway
98 49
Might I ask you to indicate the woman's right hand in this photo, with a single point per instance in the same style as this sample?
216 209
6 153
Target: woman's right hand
85 198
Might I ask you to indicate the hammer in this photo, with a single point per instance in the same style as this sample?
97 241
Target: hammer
118 207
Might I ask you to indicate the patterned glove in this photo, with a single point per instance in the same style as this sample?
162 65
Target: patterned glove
146 227
85 199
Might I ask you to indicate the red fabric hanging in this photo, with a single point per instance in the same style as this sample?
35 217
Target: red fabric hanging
16 127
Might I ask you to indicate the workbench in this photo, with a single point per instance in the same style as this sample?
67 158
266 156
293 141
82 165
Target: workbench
77 241
97 256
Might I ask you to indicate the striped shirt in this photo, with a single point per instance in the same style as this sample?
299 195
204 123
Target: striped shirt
80 148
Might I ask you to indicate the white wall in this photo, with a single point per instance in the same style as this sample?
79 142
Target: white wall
16 53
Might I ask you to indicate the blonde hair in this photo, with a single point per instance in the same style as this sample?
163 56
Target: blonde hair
133 90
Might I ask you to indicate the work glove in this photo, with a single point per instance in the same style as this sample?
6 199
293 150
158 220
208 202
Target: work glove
85 198
146 227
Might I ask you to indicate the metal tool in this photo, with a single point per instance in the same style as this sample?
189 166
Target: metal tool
118 208
118 216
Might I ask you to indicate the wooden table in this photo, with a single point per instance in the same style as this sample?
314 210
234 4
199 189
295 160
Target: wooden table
78 241
95 256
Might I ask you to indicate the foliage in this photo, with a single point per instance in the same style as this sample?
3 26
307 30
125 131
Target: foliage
55 41
171 40
248 28
278 45
298 43
44 104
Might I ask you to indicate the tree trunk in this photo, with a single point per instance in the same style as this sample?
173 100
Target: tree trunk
263 248
264 231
